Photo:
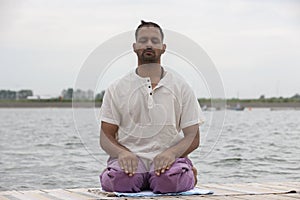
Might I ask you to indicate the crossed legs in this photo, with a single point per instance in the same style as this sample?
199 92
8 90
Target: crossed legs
178 178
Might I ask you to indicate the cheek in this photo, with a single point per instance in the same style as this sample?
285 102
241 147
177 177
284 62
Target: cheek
158 51
139 46
139 51
158 48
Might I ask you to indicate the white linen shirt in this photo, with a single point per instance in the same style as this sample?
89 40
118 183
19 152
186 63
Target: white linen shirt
150 120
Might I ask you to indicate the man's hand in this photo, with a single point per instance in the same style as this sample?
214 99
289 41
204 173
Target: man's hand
163 161
128 162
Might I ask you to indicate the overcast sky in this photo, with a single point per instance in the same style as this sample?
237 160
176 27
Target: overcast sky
254 44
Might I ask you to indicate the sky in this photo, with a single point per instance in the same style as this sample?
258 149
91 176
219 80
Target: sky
254 44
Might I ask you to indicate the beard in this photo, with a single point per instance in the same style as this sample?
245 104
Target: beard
149 56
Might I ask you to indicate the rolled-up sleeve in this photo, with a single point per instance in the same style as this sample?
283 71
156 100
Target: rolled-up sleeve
109 111
191 112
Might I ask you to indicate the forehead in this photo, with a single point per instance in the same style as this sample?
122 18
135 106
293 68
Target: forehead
148 31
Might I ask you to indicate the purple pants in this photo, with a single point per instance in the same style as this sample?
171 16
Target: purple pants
178 178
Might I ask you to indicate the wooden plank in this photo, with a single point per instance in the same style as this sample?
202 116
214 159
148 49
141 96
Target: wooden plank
65 195
100 193
2 197
218 191
290 196
169 198
8 192
85 192
262 190
252 197
197 197
297 196
245 191
252 189
283 188
14 195
268 197
292 185
174 198
218 197
234 189
36 195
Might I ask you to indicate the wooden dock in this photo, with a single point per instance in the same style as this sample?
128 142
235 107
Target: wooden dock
252 191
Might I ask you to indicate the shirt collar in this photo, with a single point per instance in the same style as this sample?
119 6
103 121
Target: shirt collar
146 80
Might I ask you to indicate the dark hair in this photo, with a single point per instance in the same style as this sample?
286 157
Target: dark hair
149 24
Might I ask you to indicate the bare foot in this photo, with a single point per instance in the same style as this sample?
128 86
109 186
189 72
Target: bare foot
195 175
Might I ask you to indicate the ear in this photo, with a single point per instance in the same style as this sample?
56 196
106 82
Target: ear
163 48
134 47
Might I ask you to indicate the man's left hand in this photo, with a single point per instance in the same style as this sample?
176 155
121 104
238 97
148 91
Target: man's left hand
163 162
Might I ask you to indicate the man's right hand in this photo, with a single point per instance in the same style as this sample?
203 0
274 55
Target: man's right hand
128 162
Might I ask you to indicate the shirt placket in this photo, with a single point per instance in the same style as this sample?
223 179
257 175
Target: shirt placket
149 93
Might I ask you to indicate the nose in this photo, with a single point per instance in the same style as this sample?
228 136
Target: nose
149 44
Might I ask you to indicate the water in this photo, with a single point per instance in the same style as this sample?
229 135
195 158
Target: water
41 148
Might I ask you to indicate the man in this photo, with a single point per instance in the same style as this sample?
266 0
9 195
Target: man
142 116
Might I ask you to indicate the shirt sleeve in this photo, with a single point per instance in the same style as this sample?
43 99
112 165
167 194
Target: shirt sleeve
191 111
109 111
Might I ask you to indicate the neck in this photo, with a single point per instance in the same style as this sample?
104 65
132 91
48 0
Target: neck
141 62
153 70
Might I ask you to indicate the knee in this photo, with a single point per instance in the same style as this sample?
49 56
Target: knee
172 181
118 181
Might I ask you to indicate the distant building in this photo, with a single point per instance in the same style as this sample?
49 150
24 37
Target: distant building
39 97
33 97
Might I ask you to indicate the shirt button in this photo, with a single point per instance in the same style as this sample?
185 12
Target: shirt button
150 93
149 86
148 80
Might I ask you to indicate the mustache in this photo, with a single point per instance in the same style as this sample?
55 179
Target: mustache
149 50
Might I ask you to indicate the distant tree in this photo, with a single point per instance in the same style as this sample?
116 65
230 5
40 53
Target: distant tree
23 94
296 96
8 95
90 94
67 94
15 95
100 95
262 96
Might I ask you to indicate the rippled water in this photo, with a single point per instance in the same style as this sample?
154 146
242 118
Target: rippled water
40 148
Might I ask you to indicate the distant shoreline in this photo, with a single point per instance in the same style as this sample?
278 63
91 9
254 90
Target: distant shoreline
43 104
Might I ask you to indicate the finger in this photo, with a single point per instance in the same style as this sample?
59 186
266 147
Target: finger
159 169
169 164
156 163
157 172
126 166
164 166
121 164
134 166
161 165
130 166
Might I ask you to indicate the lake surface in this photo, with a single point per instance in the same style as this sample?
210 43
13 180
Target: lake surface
46 148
